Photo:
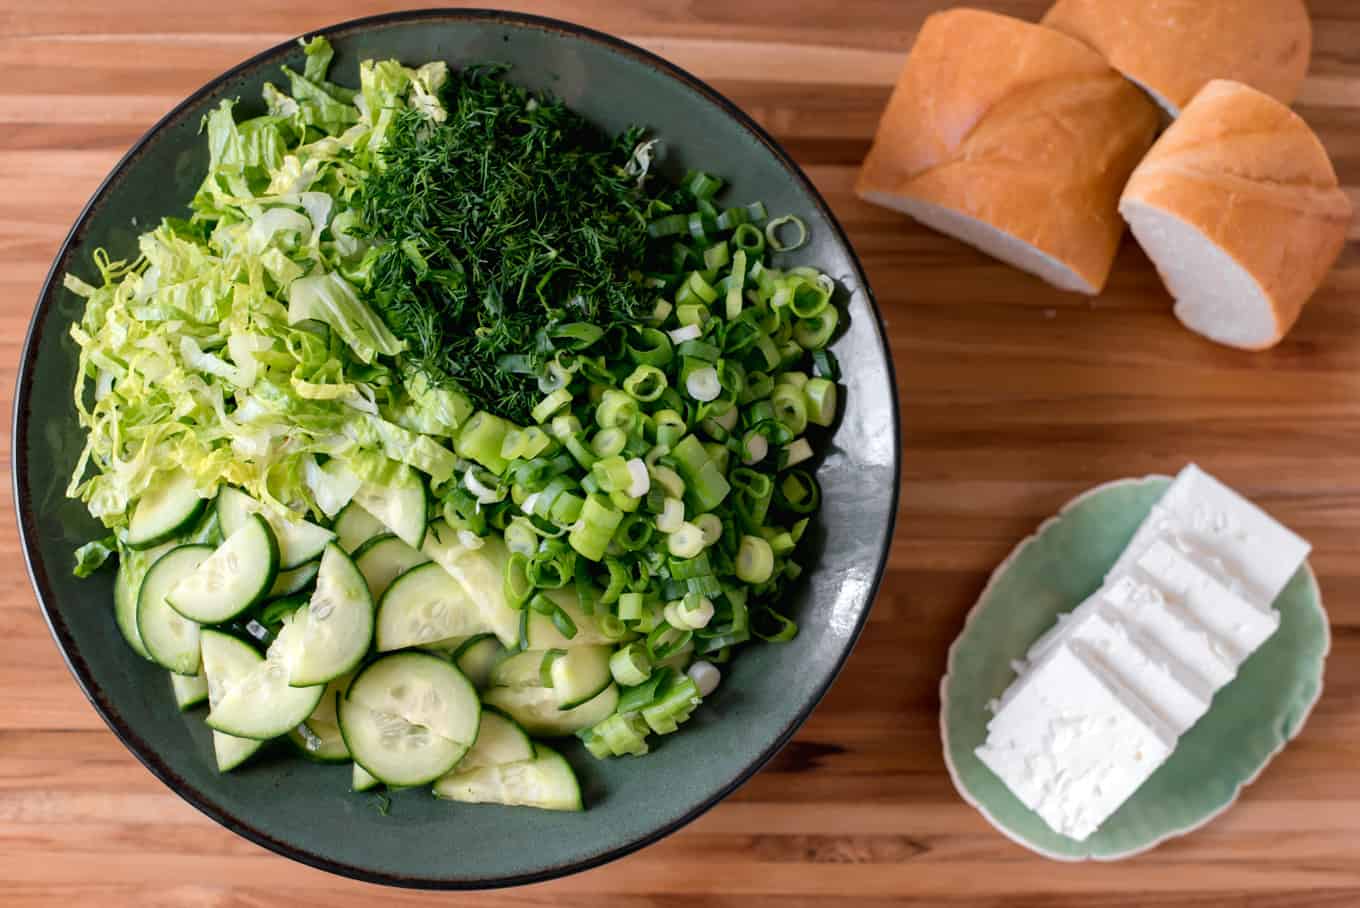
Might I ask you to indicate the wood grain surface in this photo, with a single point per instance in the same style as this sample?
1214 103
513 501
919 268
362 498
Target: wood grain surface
1015 398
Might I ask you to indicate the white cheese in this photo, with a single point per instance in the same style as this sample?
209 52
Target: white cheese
1139 601
1203 514
1241 626
1074 744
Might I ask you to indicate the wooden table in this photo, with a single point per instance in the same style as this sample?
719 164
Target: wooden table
1015 398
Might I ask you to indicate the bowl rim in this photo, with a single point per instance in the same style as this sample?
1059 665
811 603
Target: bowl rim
141 749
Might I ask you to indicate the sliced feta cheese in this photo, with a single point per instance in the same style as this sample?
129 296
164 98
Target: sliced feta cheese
1254 550
1242 626
1074 744
1145 606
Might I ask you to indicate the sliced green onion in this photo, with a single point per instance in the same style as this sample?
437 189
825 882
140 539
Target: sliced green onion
630 665
821 401
646 383
754 448
549 405
564 426
795 452
711 526
634 532
749 239
590 537
609 442
705 676
672 516
702 384
480 439
755 560
691 314
616 410
790 408
815 333
517 586
686 541
666 714
772 233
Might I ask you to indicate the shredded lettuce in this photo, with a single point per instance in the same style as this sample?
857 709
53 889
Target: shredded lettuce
237 346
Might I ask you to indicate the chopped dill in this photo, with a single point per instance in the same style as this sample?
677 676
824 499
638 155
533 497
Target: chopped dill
513 216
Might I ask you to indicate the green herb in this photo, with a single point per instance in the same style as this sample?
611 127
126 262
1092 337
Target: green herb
502 228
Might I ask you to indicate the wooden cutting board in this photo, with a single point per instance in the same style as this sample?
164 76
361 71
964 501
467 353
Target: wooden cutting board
1015 397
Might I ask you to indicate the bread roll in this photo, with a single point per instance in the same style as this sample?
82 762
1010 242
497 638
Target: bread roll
1173 48
1238 206
1015 139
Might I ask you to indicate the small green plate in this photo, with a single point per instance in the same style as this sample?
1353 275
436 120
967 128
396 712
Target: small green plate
1052 572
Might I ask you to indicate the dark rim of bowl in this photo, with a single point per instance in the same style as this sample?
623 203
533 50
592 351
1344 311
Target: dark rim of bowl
143 751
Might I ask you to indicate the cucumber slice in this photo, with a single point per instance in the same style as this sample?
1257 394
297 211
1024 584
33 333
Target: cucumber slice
401 505
574 676
499 740
335 630
477 656
232 579
354 526
231 751
299 541
445 648
226 662
261 704
546 782
580 675
361 779
170 638
523 669
425 605
132 568
190 690
294 581
541 633
481 573
535 709
319 737
383 559
408 718
170 506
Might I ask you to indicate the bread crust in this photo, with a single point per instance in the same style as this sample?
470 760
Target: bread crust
1176 47
1252 177
1018 126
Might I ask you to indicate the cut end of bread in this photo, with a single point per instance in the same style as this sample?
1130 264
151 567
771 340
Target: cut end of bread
983 236
1215 296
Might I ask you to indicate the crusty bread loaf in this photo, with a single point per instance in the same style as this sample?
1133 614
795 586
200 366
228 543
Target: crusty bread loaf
1016 139
1173 48
1238 206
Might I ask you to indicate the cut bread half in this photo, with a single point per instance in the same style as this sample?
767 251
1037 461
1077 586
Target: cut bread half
1240 209
1015 139
1173 48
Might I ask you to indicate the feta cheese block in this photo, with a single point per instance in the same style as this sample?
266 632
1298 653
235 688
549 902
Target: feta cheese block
1254 550
1074 743
1240 625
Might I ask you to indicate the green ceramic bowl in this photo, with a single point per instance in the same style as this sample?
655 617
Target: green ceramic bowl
305 811
1052 572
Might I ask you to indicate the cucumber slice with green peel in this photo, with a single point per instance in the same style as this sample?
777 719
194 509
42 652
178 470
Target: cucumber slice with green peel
294 581
190 690
535 709
477 656
233 578
546 782
541 633
481 573
499 740
132 567
524 669
408 718
580 674
231 751
299 541
362 780
354 526
425 605
401 505
445 648
383 559
226 662
170 638
333 633
319 737
169 507
261 704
